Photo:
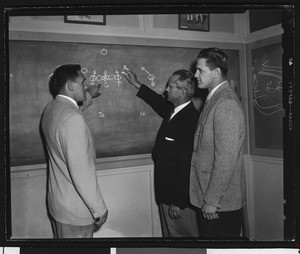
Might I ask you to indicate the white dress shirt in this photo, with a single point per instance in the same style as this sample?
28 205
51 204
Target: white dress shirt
178 108
69 98
214 90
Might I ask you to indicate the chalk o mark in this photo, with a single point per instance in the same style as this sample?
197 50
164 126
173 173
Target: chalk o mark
103 52
84 70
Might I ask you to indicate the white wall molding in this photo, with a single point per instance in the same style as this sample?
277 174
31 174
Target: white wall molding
128 191
268 198
102 164
26 24
250 230
144 29
269 160
37 36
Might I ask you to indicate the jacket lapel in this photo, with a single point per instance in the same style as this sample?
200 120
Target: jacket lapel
208 105
186 108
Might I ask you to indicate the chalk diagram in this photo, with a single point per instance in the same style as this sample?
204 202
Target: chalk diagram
95 77
103 52
151 77
105 77
267 89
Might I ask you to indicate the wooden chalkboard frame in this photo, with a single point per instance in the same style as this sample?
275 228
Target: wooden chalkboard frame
157 43
254 150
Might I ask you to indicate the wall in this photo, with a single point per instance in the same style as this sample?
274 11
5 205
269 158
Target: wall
128 193
227 27
268 198
227 31
265 174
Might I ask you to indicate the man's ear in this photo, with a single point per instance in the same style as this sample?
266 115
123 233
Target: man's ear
217 72
69 85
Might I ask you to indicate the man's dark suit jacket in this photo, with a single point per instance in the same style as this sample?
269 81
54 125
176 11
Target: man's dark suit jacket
172 150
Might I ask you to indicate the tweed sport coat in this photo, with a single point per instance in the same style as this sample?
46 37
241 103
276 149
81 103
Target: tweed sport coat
73 194
217 169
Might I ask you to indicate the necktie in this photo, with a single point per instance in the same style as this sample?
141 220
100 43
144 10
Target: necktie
171 115
206 102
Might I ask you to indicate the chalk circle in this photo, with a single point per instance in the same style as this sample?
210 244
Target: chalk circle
103 52
84 70
151 76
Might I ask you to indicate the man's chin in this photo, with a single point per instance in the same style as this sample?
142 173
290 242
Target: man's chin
84 98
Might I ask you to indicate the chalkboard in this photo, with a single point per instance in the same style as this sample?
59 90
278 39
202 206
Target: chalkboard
121 123
266 100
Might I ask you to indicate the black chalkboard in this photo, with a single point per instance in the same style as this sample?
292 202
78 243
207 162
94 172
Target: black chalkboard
122 124
266 97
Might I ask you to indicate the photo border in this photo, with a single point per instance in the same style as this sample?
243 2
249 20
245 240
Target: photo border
107 242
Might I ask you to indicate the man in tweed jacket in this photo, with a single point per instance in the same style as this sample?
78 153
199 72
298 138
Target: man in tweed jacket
217 180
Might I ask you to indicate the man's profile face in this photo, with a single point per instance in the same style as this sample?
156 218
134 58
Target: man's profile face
203 74
173 91
79 87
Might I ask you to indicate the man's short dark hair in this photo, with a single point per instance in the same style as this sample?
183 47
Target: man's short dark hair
61 75
215 58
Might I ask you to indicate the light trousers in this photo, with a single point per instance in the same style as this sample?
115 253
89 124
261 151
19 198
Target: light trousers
61 230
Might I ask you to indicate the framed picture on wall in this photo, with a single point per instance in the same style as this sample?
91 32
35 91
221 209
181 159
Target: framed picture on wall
196 22
265 97
86 19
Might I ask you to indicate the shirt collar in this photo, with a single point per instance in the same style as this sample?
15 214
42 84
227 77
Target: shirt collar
69 98
214 90
178 108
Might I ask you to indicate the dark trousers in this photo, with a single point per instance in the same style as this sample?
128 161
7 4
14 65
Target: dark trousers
228 225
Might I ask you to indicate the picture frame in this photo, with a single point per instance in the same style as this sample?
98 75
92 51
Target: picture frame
195 22
86 19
